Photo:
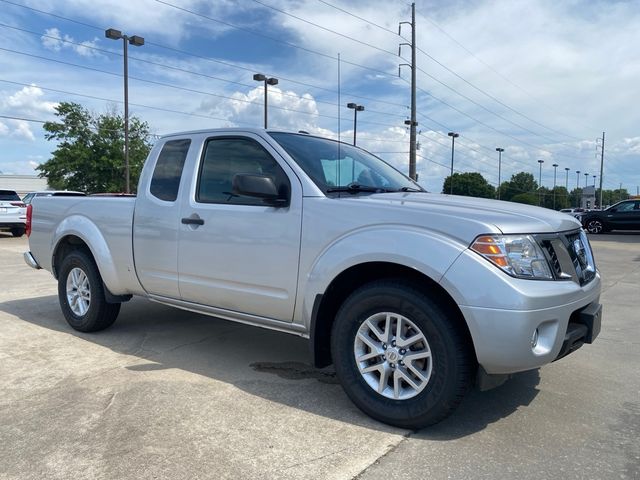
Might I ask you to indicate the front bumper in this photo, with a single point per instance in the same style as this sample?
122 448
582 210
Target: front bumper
503 313
508 341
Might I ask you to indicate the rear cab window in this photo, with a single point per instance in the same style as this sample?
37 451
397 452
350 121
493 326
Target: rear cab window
167 173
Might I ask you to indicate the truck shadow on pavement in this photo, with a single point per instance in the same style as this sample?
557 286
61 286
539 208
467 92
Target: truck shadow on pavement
263 363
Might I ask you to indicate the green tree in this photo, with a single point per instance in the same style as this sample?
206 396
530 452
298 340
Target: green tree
89 155
528 198
470 184
521 182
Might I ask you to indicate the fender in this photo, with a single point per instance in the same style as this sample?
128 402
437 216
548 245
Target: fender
428 252
83 228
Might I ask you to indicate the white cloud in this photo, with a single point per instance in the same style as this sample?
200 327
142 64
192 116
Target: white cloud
53 40
286 109
28 101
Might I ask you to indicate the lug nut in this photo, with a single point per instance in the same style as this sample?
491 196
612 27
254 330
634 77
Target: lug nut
401 363
384 346
392 365
393 344
402 351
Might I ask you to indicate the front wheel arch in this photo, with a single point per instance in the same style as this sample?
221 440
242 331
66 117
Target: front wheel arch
326 306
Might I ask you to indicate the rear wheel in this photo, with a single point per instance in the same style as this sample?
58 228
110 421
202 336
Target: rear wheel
17 232
595 226
399 355
81 294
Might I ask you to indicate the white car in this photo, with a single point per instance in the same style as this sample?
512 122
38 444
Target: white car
13 213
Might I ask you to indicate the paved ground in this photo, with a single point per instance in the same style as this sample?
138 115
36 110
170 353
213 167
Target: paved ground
170 394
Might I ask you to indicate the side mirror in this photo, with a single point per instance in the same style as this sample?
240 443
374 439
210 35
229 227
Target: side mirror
258 186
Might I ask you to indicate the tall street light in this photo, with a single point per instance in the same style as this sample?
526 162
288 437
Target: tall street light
453 136
356 109
258 77
577 187
566 183
540 183
594 180
555 168
585 179
499 150
136 41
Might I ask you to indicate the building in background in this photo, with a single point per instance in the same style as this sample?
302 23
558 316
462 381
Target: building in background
23 184
588 199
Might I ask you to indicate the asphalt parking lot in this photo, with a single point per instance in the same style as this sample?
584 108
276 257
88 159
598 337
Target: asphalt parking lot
171 394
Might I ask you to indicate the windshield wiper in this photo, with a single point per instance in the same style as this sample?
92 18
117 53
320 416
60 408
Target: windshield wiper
410 189
355 188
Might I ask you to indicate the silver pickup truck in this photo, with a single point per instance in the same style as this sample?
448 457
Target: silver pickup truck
412 296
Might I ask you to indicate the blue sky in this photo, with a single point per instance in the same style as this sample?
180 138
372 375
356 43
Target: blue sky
541 79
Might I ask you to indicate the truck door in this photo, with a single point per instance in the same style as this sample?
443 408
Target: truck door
157 218
238 253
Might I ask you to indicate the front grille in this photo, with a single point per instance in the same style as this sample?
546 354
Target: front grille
569 255
553 258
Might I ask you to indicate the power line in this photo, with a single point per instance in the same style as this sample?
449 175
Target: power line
204 57
325 28
361 18
475 87
274 39
488 66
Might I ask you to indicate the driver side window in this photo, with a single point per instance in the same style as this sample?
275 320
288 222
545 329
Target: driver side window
226 157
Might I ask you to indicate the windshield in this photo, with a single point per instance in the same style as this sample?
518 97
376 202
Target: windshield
9 195
337 167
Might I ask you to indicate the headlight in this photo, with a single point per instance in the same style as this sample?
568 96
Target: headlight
518 255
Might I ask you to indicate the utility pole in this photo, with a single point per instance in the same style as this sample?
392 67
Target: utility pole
601 168
577 186
413 123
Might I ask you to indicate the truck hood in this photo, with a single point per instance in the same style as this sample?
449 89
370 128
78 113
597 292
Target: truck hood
468 217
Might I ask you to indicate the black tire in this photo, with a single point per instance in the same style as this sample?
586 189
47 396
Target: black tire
100 314
17 232
595 225
453 362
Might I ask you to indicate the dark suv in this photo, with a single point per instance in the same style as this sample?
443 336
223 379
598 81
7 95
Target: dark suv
624 215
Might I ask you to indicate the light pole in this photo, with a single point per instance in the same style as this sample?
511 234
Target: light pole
585 179
499 150
136 41
258 77
555 168
453 136
577 187
594 180
540 183
356 109
566 183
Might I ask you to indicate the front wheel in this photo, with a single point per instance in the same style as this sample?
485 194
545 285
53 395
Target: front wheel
595 226
399 355
81 294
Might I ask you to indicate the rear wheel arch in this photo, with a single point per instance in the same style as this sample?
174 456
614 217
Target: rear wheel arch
64 247
326 306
